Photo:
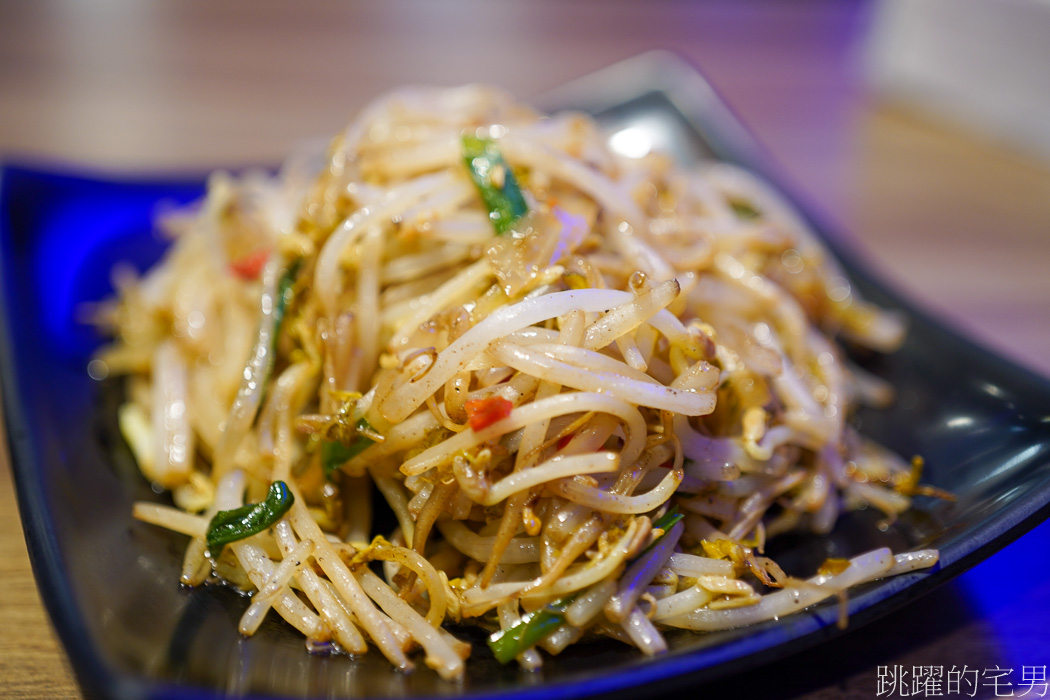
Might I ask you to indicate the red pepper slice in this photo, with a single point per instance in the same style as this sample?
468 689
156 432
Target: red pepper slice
249 266
481 413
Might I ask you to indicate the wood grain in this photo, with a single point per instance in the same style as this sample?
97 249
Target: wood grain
32 664
958 222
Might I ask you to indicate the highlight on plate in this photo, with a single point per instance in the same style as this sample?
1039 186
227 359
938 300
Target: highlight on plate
589 388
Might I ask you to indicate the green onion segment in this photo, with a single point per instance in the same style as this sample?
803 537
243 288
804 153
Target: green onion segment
507 644
336 454
495 182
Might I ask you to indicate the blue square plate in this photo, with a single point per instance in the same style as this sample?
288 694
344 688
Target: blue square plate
110 583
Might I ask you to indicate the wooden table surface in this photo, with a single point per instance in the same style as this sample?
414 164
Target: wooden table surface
957 221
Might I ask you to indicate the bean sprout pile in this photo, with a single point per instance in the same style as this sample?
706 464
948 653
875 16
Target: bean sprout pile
588 387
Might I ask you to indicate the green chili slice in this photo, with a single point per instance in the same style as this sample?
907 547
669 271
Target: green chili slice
237 524
495 182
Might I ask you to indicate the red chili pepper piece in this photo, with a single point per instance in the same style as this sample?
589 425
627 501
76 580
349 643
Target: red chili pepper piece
249 266
481 413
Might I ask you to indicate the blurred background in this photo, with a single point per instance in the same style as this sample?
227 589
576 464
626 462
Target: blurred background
919 128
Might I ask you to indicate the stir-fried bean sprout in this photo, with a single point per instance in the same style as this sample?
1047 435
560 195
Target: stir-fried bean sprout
589 387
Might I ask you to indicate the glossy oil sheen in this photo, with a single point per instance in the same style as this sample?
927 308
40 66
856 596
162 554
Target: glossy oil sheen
110 583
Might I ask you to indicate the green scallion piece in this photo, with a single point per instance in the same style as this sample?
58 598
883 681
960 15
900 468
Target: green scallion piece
336 454
285 292
507 644
744 210
237 524
511 642
665 522
495 182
